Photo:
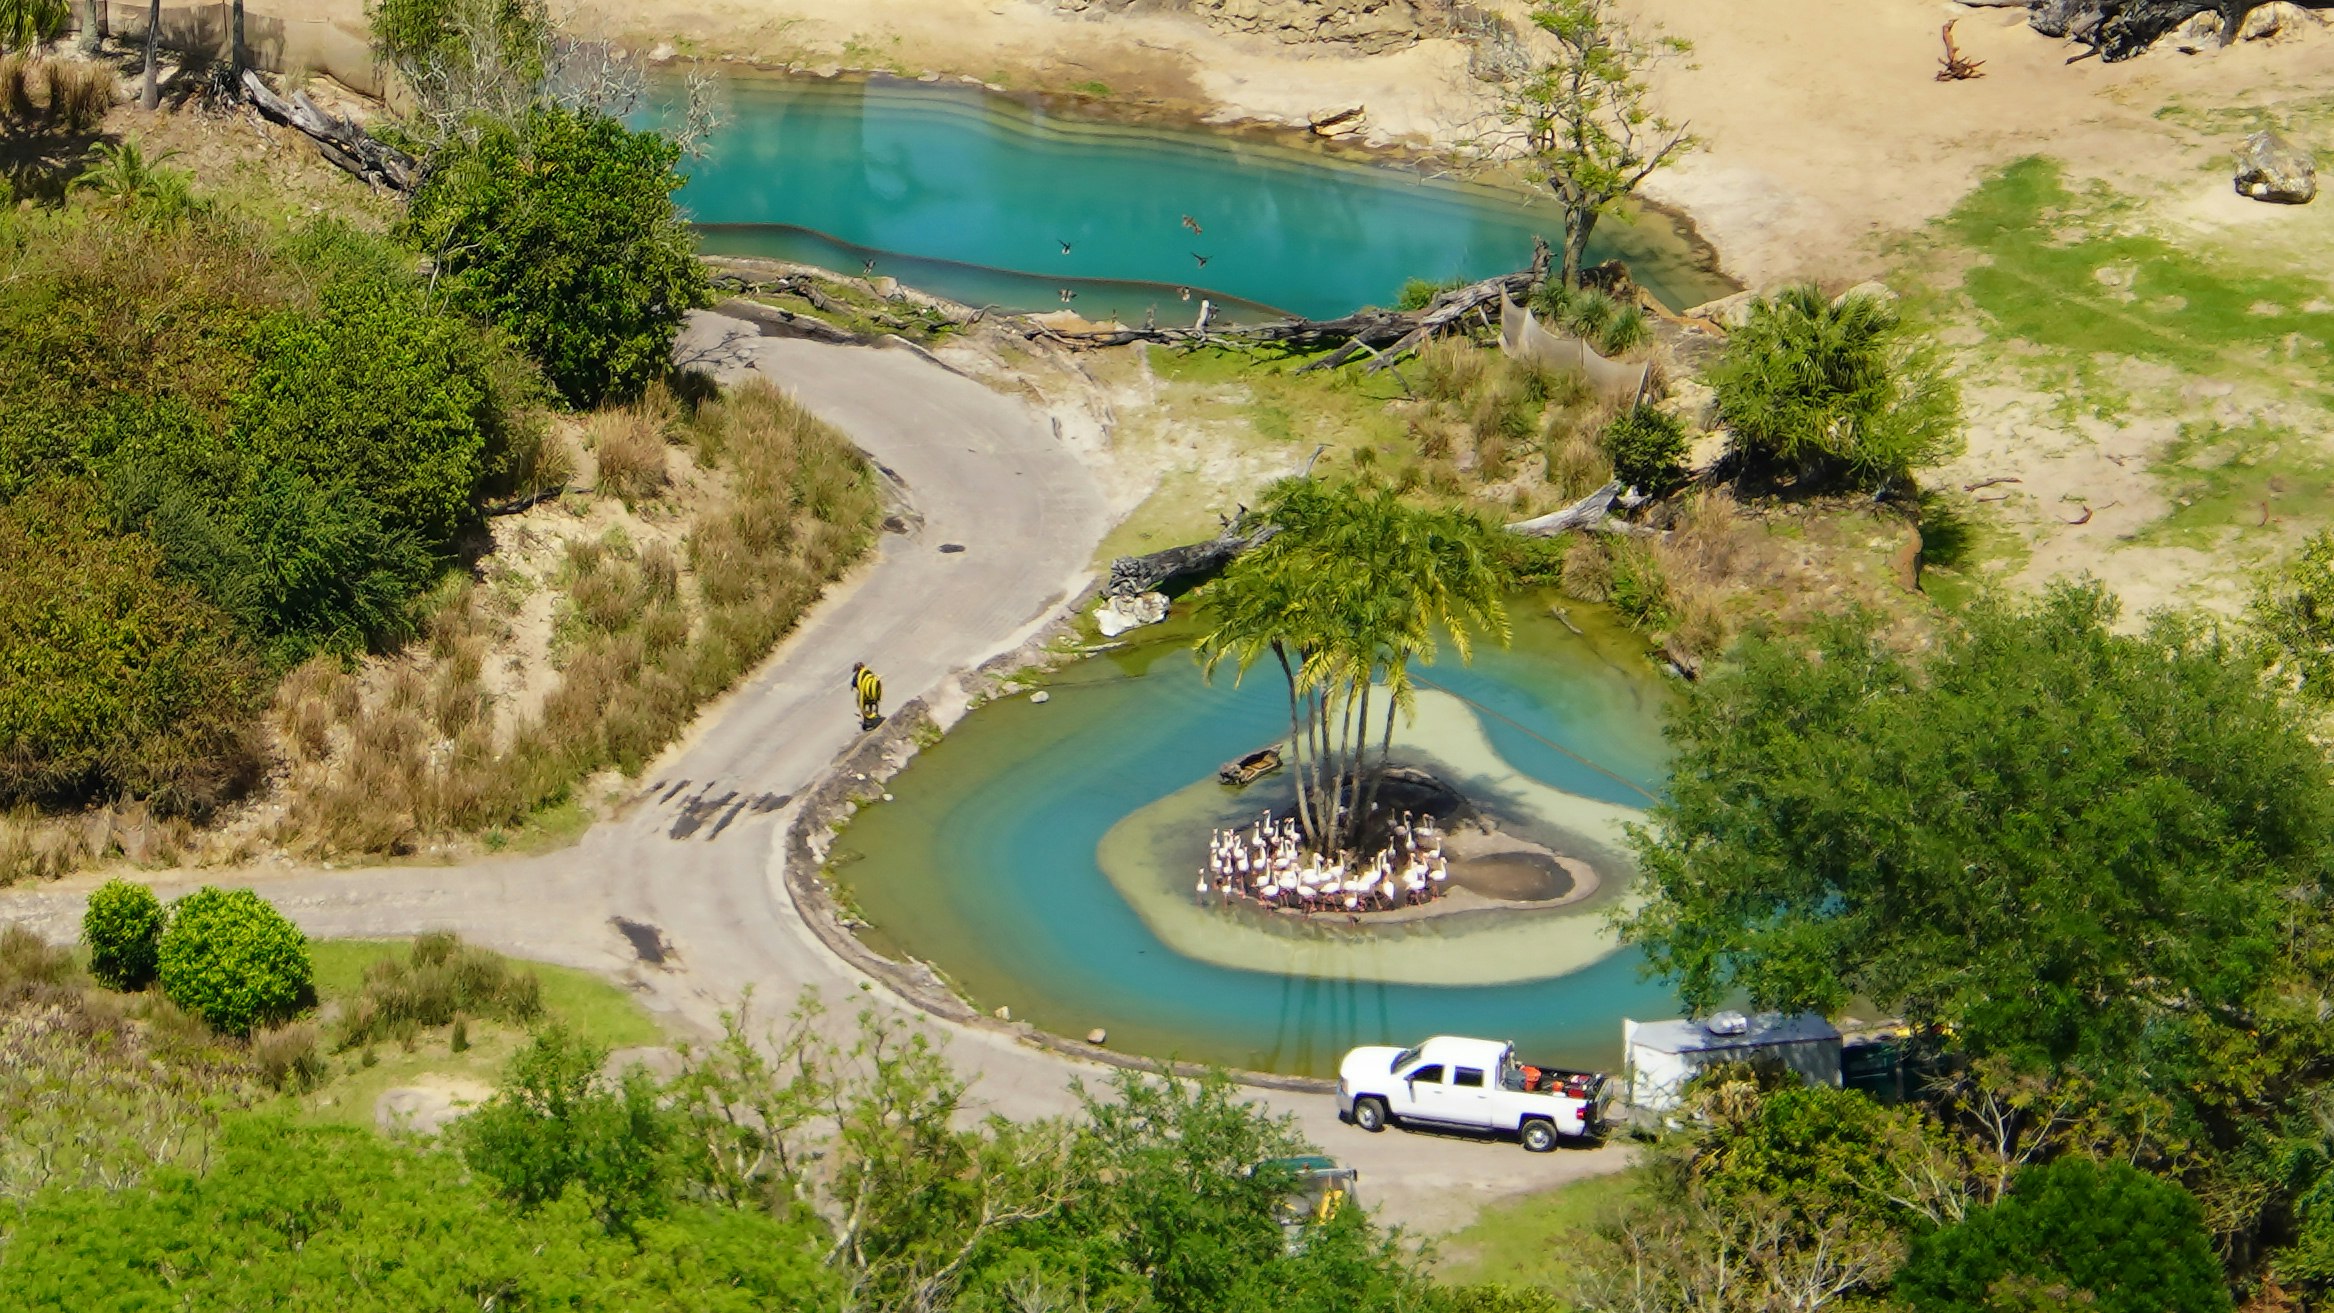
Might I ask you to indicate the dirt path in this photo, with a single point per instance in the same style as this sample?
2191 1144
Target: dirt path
679 895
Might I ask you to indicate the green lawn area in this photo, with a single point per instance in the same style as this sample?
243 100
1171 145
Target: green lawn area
600 1011
1532 1241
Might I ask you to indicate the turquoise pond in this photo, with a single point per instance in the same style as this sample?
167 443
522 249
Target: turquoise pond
970 195
990 861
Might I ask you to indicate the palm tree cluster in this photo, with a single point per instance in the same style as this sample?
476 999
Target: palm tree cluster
1353 587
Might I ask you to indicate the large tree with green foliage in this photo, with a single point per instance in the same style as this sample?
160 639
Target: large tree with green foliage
1352 586
561 229
1829 391
1587 117
2058 842
2111 1236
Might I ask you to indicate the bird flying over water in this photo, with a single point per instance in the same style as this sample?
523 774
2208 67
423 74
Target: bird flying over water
1192 224
1203 260
867 267
1065 246
1183 292
1068 296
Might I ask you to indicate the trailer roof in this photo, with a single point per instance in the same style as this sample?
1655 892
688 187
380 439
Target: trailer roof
1766 1030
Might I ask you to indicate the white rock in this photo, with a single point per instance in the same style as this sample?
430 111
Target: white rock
662 52
1041 697
1119 614
1002 1013
1098 1036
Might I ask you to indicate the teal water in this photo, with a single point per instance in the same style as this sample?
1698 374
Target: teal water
970 195
985 862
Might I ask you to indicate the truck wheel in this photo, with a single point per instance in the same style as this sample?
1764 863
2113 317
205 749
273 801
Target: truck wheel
1370 1114
1539 1136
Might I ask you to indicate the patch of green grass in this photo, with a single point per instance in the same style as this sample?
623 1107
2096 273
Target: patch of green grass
596 1009
2072 271
2229 481
1535 1240
1097 89
547 829
601 1012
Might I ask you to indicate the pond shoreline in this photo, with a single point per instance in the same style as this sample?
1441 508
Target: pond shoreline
802 848
1441 163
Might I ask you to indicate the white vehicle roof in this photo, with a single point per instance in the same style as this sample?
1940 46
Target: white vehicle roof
1457 1050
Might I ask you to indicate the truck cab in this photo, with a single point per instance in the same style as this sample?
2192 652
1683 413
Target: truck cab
1472 1084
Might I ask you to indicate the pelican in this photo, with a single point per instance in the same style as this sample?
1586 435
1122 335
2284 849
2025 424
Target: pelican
1192 224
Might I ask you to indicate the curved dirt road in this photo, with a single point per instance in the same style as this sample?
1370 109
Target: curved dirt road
690 865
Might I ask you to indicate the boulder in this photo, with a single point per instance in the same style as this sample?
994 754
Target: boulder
2272 169
1098 1036
1117 615
2276 20
1727 311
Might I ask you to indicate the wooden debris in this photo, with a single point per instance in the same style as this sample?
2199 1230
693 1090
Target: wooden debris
1956 67
1588 513
1988 483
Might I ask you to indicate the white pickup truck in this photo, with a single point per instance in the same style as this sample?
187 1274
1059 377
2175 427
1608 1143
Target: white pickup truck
1475 1083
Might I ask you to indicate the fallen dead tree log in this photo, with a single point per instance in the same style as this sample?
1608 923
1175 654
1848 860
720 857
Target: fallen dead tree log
1132 576
1586 513
1382 334
341 141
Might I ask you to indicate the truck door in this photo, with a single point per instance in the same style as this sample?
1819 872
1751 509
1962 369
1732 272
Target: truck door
1469 1097
1427 1094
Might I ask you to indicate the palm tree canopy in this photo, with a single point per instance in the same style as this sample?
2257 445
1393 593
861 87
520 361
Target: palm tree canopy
1354 587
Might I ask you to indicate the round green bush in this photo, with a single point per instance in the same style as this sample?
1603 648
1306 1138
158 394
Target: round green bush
1647 448
233 960
123 928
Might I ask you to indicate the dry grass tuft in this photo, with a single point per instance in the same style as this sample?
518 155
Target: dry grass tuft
73 95
80 92
288 1057
629 444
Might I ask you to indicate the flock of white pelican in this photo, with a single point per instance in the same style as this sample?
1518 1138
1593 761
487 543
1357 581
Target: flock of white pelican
1267 863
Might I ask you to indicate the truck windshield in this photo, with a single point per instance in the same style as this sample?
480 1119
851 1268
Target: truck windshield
1402 1059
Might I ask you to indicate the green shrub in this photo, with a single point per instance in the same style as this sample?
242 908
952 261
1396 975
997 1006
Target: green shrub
113 680
441 981
1825 393
2133 1243
123 928
1419 293
562 231
233 960
1637 588
1647 448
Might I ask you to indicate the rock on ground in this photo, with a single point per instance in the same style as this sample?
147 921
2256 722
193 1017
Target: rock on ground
2271 168
1117 615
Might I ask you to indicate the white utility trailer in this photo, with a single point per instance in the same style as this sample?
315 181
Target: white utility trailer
1660 1057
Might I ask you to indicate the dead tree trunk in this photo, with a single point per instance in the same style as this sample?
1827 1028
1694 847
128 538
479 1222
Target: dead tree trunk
344 143
1132 576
